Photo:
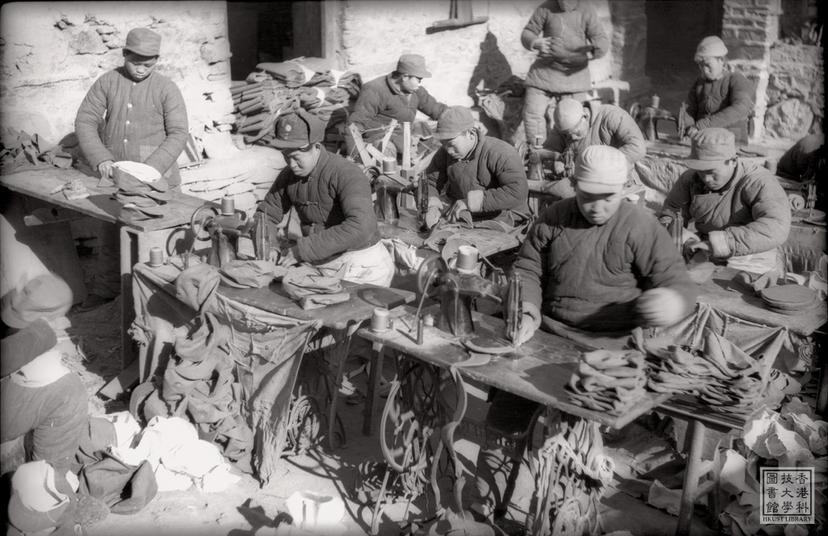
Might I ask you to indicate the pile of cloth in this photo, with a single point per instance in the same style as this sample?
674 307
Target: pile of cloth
311 289
275 89
20 150
141 189
609 380
719 374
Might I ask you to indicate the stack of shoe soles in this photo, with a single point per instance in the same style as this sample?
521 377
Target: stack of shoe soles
789 299
721 375
141 189
611 381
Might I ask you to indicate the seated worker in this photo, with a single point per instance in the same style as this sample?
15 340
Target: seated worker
566 34
397 95
578 126
805 160
718 98
130 113
740 211
474 174
332 198
595 265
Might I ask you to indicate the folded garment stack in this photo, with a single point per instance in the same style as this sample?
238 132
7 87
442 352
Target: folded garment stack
311 289
142 191
275 89
611 381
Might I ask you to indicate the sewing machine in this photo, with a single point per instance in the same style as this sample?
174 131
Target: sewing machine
649 116
224 226
457 289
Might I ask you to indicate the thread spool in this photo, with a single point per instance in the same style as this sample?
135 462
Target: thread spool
228 206
156 257
467 257
380 320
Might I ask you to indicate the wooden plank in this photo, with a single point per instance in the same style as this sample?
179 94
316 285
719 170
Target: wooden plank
364 156
406 152
387 137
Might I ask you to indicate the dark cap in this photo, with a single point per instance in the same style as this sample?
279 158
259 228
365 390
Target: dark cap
143 41
453 122
297 130
46 296
21 347
710 148
412 65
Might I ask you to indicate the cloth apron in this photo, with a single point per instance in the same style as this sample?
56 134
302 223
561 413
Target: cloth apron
372 265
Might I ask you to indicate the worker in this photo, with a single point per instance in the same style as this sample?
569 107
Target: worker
804 160
566 34
130 113
474 174
398 95
740 211
718 98
332 199
593 266
579 125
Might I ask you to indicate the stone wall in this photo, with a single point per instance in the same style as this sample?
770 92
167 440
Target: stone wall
796 92
749 28
52 53
374 34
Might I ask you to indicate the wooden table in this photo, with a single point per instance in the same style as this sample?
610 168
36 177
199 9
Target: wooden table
137 237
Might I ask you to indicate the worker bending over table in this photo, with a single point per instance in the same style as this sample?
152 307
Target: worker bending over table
577 126
473 176
740 211
593 267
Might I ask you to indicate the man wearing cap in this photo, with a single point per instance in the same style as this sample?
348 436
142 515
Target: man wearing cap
566 34
577 126
475 173
397 95
739 209
718 98
130 113
333 201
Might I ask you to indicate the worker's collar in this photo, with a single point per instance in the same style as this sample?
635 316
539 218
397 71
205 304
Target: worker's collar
126 75
473 151
395 89
320 163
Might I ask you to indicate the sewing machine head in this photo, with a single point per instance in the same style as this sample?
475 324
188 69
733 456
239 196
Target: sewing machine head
223 226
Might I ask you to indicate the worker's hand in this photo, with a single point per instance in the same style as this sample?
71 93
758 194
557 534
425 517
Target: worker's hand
455 210
526 330
105 169
286 258
666 220
559 168
692 246
691 131
542 45
660 307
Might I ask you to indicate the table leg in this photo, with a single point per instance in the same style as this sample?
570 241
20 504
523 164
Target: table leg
337 355
691 478
127 260
371 403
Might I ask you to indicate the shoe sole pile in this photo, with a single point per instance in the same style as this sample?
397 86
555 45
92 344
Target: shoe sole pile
612 381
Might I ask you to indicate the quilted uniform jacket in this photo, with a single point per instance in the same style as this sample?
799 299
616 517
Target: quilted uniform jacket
725 103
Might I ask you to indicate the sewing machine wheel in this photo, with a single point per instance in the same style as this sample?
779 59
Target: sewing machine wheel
428 273
201 218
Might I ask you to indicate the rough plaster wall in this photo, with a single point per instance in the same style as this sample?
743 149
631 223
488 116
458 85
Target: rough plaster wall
796 93
376 32
52 53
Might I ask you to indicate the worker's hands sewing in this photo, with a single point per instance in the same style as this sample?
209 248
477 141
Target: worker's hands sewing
559 168
105 168
283 257
529 323
660 307
692 246
459 211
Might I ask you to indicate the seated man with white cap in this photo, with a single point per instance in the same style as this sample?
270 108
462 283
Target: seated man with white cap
718 98
332 199
593 266
740 211
472 172
577 126
397 95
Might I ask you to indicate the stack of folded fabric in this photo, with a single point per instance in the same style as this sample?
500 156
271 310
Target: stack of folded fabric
141 189
611 381
311 289
250 273
719 374
275 89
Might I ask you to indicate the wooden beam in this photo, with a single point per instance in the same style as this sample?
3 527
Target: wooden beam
406 150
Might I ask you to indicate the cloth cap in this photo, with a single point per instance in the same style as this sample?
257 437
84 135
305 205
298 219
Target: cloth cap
21 347
711 147
143 41
297 130
453 122
568 114
710 46
601 169
412 65
134 176
36 504
46 296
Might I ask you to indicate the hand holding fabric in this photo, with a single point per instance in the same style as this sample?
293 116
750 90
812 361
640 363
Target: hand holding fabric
529 323
692 246
660 307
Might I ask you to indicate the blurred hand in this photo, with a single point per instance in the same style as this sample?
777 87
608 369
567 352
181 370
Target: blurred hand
559 167
660 307
542 45
692 246
287 258
458 207
105 169
526 330
691 131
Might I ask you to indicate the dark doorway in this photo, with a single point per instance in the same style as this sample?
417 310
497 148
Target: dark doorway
272 32
674 28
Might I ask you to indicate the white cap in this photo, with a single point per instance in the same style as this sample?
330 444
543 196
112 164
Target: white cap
710 46
601 169
568 114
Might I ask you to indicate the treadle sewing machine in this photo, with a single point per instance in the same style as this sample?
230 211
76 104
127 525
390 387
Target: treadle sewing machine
224 226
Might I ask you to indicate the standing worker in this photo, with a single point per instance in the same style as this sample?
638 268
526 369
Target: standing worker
566 34
130 113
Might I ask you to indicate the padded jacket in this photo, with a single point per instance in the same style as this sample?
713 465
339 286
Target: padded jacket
725 103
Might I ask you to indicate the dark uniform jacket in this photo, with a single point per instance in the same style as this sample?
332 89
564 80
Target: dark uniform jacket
725 103
578 26
379 102
493 166
334 207
142 121
589 276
